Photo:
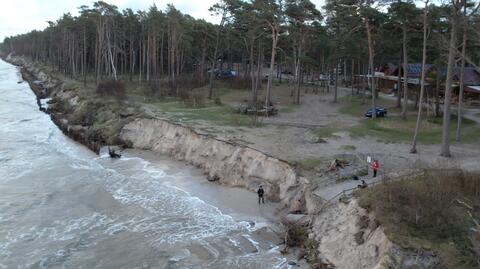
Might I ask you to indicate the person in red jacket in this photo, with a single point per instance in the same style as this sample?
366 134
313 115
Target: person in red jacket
375 167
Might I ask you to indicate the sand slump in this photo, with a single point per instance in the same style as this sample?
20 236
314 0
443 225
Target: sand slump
223 161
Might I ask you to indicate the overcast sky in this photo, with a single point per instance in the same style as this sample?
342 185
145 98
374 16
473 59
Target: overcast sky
21 16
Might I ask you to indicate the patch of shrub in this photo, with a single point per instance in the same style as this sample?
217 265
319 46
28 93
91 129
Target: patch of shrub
111 87
240 83
85 114
60 105
435 211
297 236
157 89
189 83
194 99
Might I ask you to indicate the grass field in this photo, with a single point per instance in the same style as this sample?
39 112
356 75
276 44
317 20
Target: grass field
326 132
355 108
219 114
393 128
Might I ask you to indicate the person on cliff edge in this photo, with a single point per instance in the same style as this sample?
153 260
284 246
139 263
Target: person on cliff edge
375 167
260 193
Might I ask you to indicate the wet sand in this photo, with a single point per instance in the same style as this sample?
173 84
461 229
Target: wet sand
237 202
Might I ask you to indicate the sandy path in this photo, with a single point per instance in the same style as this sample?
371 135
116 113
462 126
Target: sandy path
315 110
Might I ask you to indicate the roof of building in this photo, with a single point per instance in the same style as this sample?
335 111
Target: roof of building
413 69
474 88
389 69
470 76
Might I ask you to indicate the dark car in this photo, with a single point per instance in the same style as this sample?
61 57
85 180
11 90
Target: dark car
226 74
381 112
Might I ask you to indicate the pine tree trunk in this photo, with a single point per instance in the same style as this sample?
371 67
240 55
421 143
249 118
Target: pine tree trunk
372 69
352 76
399 86
272 66
162 64
214 60
405 72
445 152
462 73
437 93
422 79
335 92
202 60
84 58
253 98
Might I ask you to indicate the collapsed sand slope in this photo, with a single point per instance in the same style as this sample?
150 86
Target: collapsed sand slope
230 164
349 238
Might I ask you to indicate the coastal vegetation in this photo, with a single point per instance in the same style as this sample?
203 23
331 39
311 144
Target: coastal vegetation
437 211
174 53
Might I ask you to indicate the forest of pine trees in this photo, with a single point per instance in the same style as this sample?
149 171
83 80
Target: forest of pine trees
105 43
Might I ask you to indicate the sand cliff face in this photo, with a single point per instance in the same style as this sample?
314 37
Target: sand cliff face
350 238
227 163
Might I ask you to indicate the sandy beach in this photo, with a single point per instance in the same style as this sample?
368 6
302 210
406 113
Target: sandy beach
239 203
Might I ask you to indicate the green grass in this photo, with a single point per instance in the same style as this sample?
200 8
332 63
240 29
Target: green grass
326 132
288 108
348 147
394 129
423 213
310 163
355 108
219 114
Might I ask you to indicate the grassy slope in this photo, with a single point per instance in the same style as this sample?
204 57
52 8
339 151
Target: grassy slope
425 213
101 113
219 114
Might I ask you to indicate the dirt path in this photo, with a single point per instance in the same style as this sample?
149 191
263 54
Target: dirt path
315 110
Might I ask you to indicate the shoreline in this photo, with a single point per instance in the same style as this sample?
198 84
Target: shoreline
234 199
237 202
238 168
224 162
223 202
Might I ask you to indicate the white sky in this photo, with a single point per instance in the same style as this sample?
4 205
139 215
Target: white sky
21 16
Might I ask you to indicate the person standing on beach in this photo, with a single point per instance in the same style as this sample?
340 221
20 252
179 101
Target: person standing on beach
260 193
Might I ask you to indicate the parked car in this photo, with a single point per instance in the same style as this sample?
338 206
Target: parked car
223 74
227 74
324 77
381 112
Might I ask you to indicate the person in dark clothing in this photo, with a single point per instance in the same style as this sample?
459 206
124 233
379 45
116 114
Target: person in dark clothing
363 185
260 193
113 153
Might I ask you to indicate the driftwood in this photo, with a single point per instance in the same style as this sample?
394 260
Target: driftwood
262 111
113 154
